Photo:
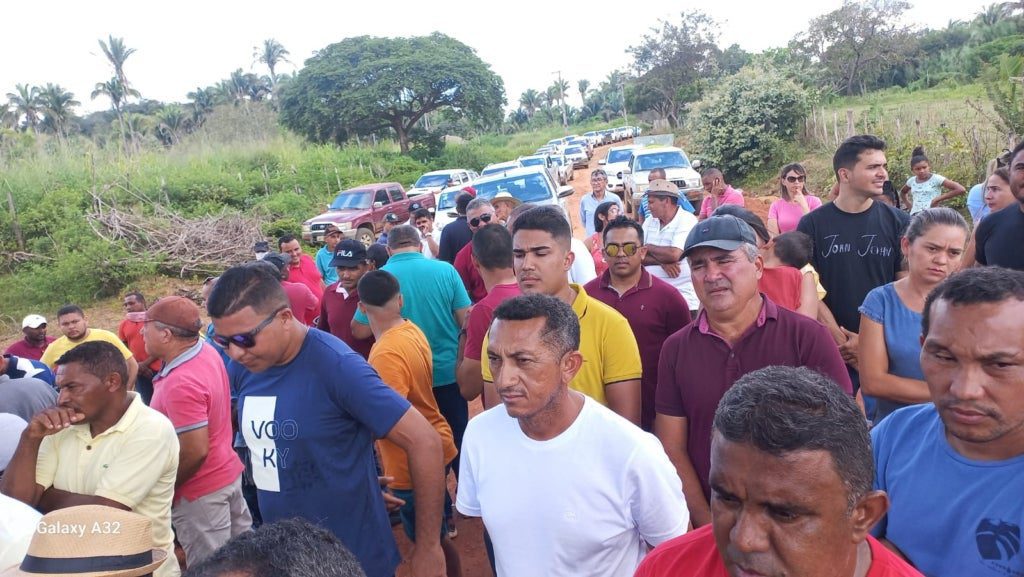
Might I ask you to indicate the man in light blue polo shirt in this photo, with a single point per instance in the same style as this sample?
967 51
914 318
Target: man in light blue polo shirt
324 256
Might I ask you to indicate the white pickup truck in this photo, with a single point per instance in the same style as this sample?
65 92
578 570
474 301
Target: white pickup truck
677 169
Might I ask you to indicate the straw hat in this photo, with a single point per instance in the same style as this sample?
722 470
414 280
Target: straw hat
505 196
90 541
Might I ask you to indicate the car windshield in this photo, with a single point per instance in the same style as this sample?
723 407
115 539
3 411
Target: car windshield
497 168
446 201
351 199
531 187
667 159
574 150
557 160
619 155
535 161
432 180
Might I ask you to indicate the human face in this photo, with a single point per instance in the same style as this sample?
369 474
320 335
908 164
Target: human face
598 183
662 207
529 377
73 326
154 338
270 342
481 216
998 194
973 361
502 209
922 170
35 335
348 276
332 239
425 225
1017 176
794 182
613 213
541 262
132 304
294 250
84 392
713 184
935 254
622 265
868 176
724 281
781 516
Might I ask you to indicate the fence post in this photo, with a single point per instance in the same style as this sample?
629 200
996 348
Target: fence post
849 123
835 127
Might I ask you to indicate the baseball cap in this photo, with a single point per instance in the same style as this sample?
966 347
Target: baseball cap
33 321
349 252
470 190
660 187
391 217
175 311
725 232
330 229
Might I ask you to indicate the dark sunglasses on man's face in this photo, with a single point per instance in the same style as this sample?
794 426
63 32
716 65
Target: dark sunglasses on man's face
792 179
246 340
484 218
628 249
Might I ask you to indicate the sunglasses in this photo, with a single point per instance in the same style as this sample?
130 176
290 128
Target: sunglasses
245 340
614 250
792 179
484 218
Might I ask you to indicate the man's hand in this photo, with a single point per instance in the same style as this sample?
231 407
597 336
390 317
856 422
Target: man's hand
391 502
848 350
427 561
51 421
671 269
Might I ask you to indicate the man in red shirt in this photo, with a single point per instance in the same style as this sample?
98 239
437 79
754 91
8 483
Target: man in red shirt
301 268
341 300
492 257
791 479
479 212
655 309
130 333
35 342
192 391
304 304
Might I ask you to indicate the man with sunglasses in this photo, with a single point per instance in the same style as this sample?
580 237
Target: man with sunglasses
717 193
665 234
479 213
310 409
655 310
598 194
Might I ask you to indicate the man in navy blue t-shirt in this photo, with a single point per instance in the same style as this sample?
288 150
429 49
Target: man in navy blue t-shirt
310 409
954 468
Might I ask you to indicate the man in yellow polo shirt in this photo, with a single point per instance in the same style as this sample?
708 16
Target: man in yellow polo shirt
611 369
71 319
99 446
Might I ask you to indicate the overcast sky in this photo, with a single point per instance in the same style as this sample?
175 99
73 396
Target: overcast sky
184 44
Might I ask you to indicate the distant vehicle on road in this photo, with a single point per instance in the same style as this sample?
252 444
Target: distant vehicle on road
359 212
677 169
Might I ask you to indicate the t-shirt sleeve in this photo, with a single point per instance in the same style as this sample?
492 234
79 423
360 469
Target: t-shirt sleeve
773 210
476 327
813 202
822 355
360 317
187 406
393 371
460 297
655 494
46 462
140 464
112 339
360 391
980 238
466 500
667 399
621 353
874 305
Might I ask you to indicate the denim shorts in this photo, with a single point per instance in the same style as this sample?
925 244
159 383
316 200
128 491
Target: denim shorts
408 513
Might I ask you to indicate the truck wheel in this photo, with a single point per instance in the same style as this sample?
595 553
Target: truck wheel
365 235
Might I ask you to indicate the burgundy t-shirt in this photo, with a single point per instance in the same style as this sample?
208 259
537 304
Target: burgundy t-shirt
304 304
470 276
26 350
336 312
782 285
655 310
480 317
697 367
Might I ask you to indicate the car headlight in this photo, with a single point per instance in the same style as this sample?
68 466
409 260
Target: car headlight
344 226
693 183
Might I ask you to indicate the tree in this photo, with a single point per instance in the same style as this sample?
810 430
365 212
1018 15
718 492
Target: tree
529 101
172 123
57 104
583 86
118 95
1004 90
117 53
271 54
364 85
202 104
677 61
25 103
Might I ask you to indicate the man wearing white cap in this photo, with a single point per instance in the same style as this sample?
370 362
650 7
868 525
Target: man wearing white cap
35 342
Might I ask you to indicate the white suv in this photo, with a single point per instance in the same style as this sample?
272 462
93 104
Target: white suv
677 169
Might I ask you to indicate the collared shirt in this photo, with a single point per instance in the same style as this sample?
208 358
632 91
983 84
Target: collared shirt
134 462
610 353
469 274
62 345
729 196
674 235
27 350
697 367
336 311
328 273
307 274
655 310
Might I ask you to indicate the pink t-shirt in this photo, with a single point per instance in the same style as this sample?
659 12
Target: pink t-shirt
480 317
307 274
192 391
789 214
729 196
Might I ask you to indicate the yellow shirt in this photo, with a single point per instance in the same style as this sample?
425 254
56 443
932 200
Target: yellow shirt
610 353
133 462
57 348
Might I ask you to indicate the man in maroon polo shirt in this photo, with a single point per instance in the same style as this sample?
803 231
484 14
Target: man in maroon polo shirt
738 330
479 212
492 256
341 300
655 309
35 342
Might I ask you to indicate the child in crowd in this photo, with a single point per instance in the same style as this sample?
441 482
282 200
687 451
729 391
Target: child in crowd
783 256
925 187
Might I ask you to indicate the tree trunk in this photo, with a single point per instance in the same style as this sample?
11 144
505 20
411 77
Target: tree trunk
402 134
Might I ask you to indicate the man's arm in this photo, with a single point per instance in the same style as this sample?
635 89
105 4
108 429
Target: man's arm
360 330
194 447
471 381
662 254
624 398
414 434
460 316
672 432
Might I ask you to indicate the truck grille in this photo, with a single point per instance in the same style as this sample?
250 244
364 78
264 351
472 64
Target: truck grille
318 226
680 183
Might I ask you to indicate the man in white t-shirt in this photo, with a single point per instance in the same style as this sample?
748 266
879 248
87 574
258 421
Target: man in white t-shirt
665 236
424 221
565 486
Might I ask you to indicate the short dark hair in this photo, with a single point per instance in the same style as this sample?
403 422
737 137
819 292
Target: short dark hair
623 222
70 310
288 548
794 248
462 201
377 287
850 150
138 296
98 358
377 253
492 247
561 326
404 236
781 410
422 213
978 285
746 216
713 173
276 262
602 210
1016 150
284 239
549 219
243 286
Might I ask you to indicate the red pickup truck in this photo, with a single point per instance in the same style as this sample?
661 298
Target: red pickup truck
359 212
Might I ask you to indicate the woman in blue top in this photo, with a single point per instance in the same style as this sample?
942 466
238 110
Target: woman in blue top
890 321
925 187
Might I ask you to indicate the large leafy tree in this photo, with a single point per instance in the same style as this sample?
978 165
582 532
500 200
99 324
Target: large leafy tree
365 84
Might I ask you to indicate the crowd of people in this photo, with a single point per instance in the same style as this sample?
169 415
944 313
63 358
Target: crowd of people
690 392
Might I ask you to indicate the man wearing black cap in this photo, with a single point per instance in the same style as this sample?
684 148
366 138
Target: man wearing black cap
391 220
260 249
341 300
326 253
738 330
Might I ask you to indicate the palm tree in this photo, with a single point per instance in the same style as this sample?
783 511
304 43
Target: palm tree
117 53
26 104
530 102
57 106
202 104
172 123
583 86
272 53
118 94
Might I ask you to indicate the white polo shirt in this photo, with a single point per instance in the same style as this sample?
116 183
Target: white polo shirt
673 234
